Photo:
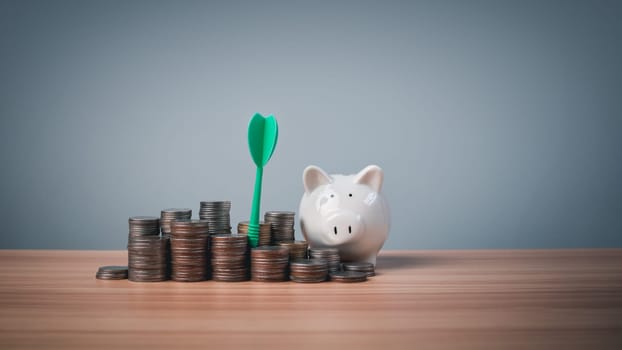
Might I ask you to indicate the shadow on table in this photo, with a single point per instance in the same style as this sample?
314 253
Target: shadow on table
402 262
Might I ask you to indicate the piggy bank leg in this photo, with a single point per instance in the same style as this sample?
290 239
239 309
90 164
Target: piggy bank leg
371 259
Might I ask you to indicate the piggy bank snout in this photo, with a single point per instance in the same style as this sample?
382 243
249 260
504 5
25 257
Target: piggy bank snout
344 225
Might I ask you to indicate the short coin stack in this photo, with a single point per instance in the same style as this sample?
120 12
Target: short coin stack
189 248
148 258
282 225
265 231
308 270
229 257
112 273
217 215
330 255
366 267
269 263
348 276
168 215
297 249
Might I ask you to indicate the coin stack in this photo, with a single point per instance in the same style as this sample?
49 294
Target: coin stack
148 258
297 249
348 276
217 215
331 255
229 257
366 267
282 225
189 248
111 273
147 253
265 231
168 215
269 263
308 270
144 226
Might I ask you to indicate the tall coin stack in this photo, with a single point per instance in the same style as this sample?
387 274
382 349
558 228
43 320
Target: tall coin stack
297 249
229 257
189 248
269 263
168 215
265 231
330 255
217 215
282 225
147 251
308 270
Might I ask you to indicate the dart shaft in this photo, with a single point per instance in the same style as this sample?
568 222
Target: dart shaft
257 197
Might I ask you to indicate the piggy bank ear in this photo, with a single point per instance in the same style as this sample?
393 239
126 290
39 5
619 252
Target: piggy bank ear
371 176
313 177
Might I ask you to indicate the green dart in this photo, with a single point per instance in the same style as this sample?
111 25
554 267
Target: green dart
262 136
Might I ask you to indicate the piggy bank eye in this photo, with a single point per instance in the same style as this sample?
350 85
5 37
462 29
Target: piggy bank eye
349 194
332 195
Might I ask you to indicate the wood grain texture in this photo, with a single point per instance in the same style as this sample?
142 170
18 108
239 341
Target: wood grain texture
501 299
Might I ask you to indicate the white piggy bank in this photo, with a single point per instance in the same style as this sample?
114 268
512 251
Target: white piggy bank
346 212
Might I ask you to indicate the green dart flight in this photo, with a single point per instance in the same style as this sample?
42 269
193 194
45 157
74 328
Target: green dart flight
263 132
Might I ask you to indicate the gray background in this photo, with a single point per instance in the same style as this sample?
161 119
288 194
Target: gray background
498 123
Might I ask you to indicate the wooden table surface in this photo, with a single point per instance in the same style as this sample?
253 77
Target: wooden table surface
491 299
